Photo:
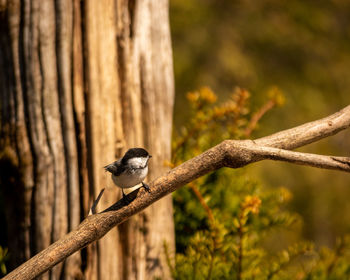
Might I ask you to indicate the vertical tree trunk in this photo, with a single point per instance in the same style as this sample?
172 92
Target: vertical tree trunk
81 82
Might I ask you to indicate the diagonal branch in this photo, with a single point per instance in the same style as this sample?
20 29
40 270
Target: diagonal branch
229 153
308 133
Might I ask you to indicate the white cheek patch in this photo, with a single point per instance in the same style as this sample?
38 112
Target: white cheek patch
138 162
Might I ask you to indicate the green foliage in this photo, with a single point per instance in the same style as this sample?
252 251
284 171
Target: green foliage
225 221
300 46
3 259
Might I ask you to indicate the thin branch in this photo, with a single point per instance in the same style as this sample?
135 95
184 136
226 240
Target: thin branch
308 133
258 115
234 154
240 247
319 161
202 202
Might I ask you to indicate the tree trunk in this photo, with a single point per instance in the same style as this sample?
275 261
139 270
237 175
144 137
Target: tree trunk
81 82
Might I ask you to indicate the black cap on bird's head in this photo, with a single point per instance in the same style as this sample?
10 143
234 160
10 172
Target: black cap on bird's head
135 152
119 165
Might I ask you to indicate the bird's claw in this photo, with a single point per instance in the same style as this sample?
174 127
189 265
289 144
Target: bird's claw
147 188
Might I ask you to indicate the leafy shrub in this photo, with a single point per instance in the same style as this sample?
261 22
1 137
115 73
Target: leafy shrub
225 221
3 259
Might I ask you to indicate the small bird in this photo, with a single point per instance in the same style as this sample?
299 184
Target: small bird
131 169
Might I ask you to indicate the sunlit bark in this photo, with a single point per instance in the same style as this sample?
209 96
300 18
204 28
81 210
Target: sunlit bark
81 82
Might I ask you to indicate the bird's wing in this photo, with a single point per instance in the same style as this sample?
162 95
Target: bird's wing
116 168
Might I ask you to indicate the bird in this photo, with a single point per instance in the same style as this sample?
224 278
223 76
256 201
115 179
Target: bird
130 170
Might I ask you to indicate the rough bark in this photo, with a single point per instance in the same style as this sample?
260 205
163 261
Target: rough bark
229 153
81 82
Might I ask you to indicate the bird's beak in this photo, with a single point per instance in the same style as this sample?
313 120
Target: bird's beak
149 156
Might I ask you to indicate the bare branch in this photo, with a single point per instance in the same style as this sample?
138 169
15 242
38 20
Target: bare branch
229 153
319 161
258 115
309 132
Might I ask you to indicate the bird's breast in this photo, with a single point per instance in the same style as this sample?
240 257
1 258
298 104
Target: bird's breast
130 178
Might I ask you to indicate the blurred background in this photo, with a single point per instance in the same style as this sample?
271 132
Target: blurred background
243 69
300 47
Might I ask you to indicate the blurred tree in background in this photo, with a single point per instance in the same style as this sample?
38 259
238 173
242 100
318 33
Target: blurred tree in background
300 47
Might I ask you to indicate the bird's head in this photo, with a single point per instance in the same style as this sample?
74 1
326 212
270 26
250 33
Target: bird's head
136 153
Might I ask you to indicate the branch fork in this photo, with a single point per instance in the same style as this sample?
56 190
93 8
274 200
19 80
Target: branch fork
241 153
